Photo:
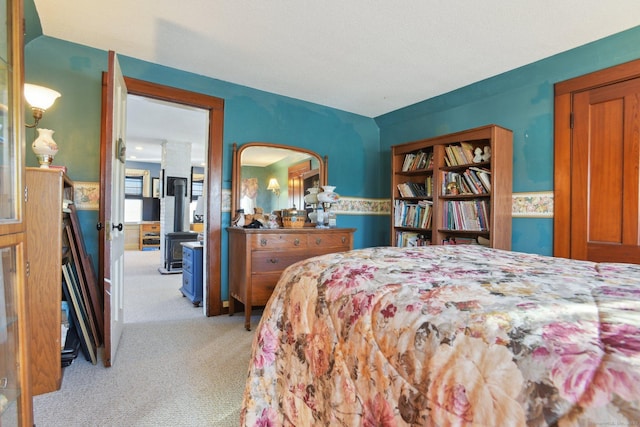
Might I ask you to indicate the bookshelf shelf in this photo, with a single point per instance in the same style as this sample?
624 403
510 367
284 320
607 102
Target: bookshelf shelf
466 189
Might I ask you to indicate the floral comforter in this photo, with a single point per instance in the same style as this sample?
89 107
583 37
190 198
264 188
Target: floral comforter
447 336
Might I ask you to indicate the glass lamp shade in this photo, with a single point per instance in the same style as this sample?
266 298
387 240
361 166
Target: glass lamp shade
40 97
273 185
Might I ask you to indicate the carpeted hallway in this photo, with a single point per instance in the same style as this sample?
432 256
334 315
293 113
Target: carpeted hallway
174 366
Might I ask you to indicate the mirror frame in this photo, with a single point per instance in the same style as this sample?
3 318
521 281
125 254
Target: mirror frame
236 171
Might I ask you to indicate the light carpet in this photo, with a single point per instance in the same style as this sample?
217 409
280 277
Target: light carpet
174 366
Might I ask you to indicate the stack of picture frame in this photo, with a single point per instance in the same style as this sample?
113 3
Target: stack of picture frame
81 291
78 311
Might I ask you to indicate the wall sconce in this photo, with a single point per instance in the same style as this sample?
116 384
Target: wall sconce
274 186
39 98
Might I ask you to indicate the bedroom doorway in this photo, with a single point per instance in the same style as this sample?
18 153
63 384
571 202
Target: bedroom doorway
597 159
213 210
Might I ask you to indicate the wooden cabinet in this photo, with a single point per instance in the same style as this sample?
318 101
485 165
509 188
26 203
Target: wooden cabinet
149 235
192 271
257 257
47 190
453 188
15 394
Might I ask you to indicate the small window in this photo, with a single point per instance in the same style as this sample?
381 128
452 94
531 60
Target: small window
196 189
133 187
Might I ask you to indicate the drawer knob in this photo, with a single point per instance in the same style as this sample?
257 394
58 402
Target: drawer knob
263 242
318 241
296 242
273 260
344 239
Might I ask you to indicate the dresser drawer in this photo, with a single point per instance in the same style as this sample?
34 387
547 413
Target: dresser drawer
275 261
333 240
277 241
262 286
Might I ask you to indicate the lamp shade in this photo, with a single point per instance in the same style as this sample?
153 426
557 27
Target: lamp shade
40 96
273 185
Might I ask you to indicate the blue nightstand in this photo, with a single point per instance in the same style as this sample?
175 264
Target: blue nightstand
192 272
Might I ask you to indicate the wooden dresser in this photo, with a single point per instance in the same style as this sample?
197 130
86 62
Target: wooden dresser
257 257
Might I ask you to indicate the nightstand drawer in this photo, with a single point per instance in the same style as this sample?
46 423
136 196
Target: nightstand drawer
187 255
277 241
187 281
187 267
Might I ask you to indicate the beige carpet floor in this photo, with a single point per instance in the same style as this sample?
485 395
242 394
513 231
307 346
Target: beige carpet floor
174 366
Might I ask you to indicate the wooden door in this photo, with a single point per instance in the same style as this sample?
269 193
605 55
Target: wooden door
113 196
296 184
603 175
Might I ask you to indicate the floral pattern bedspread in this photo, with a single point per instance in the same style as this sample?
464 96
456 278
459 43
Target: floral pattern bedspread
447 336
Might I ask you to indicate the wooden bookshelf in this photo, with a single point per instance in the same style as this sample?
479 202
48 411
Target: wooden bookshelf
46 247
453 188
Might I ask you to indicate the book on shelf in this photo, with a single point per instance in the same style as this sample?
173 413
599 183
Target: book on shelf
412 189
471 215
417 161
426 214
458 154
467 151
411 239
484 175
413 215
408 161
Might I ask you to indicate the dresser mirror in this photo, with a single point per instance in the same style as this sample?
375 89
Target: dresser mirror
273 176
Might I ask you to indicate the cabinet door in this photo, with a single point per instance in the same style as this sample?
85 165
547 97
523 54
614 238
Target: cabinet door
15 396
15 401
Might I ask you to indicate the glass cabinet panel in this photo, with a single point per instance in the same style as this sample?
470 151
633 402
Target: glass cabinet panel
9 155
9 333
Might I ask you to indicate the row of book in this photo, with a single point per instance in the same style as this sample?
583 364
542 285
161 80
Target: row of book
417 161
470 215
416 189
414 215
472 181
411 239
465 154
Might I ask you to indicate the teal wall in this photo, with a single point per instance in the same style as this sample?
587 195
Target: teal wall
521 100
350 141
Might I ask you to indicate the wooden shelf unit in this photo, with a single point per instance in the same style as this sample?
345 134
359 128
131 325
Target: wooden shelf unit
149 235
497 201
46 246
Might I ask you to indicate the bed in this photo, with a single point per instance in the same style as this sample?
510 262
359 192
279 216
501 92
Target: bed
447 336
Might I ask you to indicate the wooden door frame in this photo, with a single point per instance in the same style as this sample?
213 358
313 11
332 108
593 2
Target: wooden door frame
213 232
563 108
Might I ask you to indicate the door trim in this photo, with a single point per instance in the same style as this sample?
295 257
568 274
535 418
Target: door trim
564 92
213 232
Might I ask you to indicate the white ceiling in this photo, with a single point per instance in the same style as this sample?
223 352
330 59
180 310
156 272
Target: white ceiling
151 122
368 57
